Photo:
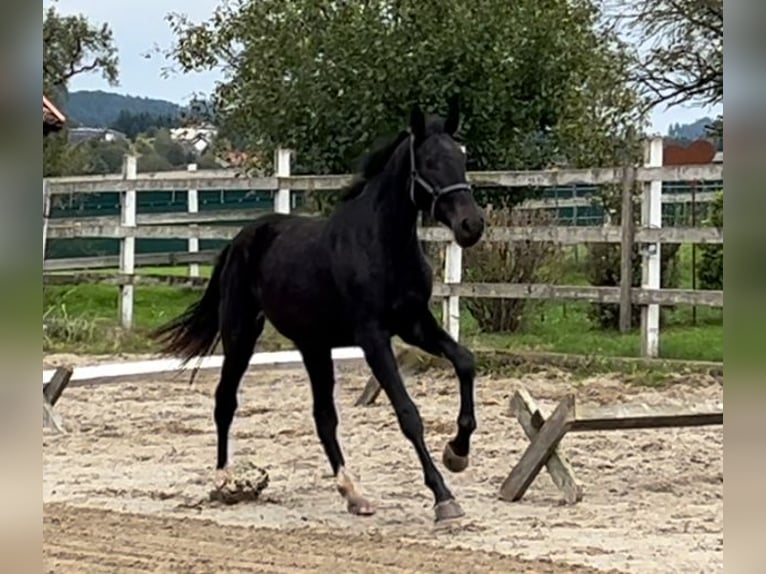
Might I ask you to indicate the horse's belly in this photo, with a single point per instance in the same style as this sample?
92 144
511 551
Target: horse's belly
301 309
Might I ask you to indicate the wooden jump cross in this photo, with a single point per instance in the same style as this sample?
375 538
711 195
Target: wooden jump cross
51 394
545 435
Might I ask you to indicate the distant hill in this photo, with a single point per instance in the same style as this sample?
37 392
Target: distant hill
689 132
101 109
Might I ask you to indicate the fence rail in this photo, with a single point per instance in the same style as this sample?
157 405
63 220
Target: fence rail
195 225
225 179
564 235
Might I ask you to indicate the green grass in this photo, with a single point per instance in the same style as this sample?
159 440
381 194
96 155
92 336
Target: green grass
83 318
559 328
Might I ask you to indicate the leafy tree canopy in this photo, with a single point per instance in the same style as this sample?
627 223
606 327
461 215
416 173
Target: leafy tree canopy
72 45
539 81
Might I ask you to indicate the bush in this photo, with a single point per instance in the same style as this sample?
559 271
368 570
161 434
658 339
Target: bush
512 262
603 269
710 270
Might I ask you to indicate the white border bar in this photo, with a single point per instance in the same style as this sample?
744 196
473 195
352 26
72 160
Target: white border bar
131 368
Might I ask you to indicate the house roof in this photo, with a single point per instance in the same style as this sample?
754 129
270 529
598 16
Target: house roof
52 117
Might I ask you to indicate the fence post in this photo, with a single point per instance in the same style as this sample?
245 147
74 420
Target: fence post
192 206
46 215
453 270
651 217
128 243
626 247
282 169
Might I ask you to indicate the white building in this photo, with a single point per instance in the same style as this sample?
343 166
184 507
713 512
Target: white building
198 137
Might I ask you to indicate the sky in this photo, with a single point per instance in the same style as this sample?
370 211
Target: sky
139 26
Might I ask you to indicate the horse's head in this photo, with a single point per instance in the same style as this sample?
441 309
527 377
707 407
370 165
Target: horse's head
438 180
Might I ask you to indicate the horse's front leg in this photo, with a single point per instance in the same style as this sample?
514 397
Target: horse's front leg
376 345
426 333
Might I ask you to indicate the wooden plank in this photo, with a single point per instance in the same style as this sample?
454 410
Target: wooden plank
128 208
198 181
664 297
192 207
595 294
571 235
562 235
224 232
647 422
369 393
51 393
206 256
453 270
651 218
98 373
539 451
143 219
570 202
228 179
51 419
282 201
120 279
55 387
626 250
531 420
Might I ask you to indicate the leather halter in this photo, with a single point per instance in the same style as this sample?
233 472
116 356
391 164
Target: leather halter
433 190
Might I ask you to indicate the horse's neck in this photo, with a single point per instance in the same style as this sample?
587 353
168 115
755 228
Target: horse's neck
397 217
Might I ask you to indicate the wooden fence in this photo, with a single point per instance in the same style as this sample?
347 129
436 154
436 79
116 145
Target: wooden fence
649 235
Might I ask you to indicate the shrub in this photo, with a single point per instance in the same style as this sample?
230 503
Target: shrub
512 262
603 269
710 270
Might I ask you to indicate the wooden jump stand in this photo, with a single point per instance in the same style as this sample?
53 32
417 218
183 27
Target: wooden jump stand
545 435
51 394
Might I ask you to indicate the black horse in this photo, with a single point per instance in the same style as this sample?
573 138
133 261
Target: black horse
356 278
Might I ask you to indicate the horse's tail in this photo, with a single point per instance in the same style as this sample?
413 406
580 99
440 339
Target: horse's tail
195 332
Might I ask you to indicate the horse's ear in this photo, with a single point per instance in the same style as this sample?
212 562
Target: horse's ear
453 115
417 123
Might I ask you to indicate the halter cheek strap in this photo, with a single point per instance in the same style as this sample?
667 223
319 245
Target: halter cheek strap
433 190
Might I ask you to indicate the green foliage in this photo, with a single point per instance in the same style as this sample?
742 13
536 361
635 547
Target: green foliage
72 45
327 78
508 262
132 124
710 270
603 269
92 157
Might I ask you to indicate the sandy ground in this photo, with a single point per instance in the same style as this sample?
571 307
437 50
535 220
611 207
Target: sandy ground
653 499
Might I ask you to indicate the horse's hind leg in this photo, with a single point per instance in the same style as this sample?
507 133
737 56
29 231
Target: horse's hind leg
319 367
240 329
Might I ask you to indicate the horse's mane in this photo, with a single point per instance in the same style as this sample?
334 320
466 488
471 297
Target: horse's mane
373 164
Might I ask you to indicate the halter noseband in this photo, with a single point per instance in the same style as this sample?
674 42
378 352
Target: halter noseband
434 190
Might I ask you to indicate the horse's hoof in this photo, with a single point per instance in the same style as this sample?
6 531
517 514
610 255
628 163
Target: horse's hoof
222 478
448 510
452 461
359 505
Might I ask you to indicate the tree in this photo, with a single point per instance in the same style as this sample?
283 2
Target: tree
133 124
326 78
539 81
72 45
683 40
